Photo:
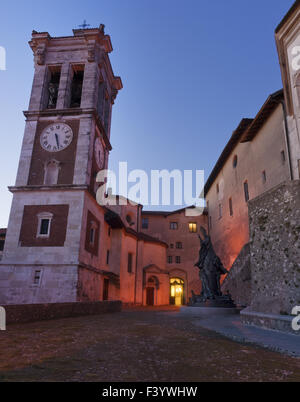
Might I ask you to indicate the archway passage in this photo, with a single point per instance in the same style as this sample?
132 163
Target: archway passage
176 291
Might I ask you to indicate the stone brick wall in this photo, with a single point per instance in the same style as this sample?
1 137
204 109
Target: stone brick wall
275 249
57 284
36 312
238 281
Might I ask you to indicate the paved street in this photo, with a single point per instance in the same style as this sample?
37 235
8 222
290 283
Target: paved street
135 345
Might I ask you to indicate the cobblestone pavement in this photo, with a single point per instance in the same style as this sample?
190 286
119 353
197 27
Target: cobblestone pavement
134 345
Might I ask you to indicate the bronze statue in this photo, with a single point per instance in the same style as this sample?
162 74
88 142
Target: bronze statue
210 271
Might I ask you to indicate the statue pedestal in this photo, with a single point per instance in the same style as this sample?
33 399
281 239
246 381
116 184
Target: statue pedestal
223 301
208 311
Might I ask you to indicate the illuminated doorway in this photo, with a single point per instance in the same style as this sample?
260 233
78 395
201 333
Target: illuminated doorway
176 291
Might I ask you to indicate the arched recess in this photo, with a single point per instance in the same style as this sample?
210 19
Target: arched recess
52 169
177 293
153 281
130 218
178 286
152 287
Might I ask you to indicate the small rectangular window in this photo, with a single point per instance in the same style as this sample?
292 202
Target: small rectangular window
173 225
170 259
37 277
92 235
145 223
179 245
107 257
246 191
218 188
178 259
2 245
220 211
230 207
44 228
193 227
44 224
129 265
264 176
282 153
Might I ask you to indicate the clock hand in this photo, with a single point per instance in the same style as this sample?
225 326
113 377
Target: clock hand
57 142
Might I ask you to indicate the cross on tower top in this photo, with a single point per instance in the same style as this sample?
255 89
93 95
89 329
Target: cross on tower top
84 25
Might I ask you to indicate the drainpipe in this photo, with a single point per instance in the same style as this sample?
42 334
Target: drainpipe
287 138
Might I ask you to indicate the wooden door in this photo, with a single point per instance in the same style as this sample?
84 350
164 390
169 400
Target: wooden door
150 296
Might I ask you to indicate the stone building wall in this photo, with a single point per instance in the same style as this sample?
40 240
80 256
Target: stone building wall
275 249
238 281
230 231
57 283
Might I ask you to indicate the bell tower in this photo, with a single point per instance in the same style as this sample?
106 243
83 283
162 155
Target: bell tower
55 223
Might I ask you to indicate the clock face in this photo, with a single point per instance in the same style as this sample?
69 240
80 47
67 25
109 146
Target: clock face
56 137
99 153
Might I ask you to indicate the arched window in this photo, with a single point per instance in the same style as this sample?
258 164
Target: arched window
129 220
51 172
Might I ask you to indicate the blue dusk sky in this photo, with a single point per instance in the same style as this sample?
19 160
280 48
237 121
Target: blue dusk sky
191 71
